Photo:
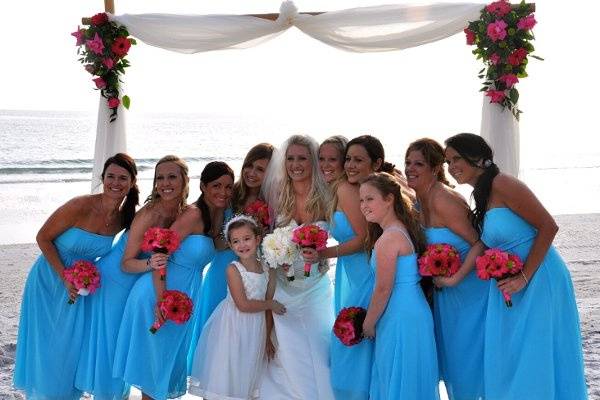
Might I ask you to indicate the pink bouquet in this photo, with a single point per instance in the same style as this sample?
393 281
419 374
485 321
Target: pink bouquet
310 236
84 276
173 305
160 240
498 264
259 210
440 259
348 325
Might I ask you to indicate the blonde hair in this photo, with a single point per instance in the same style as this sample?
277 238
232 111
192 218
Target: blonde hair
339 142
183 169
387 184
318 196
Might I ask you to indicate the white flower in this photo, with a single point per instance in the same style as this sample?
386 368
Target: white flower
278 248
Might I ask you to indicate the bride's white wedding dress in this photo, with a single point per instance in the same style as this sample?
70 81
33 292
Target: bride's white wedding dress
300 369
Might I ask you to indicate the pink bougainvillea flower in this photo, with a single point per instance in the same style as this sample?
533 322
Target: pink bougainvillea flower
516 57
108 63
79 35
497 30
113 102
509 80
120 47
527 23
496 96
499 8
494 58
470 36
100 83
95 45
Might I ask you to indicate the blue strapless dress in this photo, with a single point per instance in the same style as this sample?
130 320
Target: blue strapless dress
459 317
105 310
156 363
351 365
213 291
404 359
51 331
533 349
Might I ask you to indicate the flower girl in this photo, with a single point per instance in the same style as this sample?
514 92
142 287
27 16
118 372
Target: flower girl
230 354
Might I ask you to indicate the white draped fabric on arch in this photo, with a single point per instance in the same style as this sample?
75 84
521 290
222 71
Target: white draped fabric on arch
361 30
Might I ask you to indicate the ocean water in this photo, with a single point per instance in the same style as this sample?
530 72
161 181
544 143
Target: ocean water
46 158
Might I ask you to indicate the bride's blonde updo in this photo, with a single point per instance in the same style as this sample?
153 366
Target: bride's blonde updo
318 196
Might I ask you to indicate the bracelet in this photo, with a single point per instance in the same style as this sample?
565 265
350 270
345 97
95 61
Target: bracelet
337 251
524 277
148 266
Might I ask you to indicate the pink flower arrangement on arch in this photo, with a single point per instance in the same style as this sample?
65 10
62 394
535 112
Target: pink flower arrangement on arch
102 48
503 39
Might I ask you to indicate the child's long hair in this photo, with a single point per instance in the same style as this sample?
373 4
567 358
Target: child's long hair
386 184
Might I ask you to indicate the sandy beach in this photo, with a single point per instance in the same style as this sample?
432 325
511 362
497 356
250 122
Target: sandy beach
578 241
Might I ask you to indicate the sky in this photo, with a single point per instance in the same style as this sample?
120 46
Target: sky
430 90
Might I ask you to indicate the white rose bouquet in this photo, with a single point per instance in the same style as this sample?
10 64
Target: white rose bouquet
279 250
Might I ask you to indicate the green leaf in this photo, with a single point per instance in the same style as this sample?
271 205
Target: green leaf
126 101
513 94
537 57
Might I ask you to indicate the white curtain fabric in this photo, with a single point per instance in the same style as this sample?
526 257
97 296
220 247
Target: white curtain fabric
367 29
501 130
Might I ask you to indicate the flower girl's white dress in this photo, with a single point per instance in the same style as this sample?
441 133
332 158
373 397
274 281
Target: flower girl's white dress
229 358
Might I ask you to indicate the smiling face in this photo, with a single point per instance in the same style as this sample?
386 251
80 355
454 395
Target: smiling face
254 173
330 162
373 204
117 181
244 242
298 163
419 174
358 165
460 169
218 192
169 181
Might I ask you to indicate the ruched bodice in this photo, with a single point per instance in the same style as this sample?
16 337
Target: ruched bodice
504 229
163 354
49 326
255 284
533 349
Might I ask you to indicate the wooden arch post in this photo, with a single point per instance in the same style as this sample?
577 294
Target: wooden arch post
109 6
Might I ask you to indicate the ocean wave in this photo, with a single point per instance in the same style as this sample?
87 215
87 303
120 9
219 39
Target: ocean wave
76 166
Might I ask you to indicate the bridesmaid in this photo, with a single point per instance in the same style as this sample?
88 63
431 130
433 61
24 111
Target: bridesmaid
331 158
51 331
106 307
533 349
459 309
245 191
398 317
156 363
349 228
331 164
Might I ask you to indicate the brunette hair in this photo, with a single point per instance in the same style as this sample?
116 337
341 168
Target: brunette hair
475 151
262 151
132 199
211 172
375 151
387 184
433 153
183 170
239 222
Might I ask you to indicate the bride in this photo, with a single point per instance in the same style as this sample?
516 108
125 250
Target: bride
298 194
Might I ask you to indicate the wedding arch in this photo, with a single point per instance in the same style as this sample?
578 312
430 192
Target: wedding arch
361 30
